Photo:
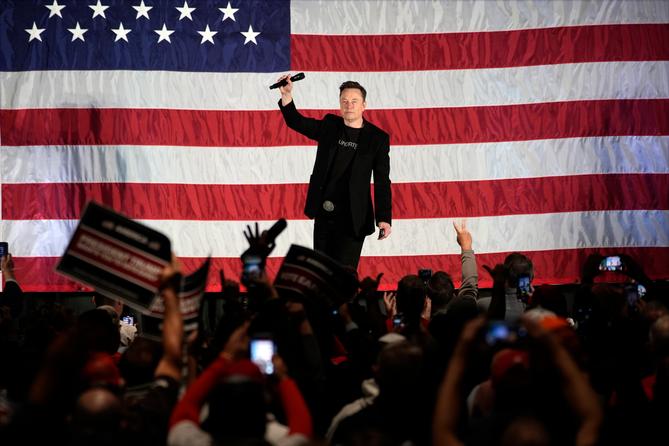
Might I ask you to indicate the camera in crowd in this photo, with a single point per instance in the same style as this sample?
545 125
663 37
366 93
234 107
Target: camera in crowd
252 266
504 333
4 250
611 263
398 321
425 275
262 350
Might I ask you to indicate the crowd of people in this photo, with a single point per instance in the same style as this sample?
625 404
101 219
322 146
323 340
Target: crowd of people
427 364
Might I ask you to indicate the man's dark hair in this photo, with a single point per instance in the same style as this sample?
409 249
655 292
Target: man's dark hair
353 84
411 297
237 410
101 300
138 363
516 265
440 290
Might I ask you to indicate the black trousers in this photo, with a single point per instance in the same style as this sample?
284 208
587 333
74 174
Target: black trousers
333 240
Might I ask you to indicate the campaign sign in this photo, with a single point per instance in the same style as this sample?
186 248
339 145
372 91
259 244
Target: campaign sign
190 293
116 256
313 275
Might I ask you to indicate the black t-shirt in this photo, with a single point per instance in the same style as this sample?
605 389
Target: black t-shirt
339 175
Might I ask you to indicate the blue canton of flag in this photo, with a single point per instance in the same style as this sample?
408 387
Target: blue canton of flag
171 35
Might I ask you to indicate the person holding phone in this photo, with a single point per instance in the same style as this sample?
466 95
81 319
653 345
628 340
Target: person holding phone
12 294
513 281
350 150
234 386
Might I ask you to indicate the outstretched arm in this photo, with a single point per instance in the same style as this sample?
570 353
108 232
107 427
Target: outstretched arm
309 127
12 295
173 327
576 389
449 399
470 278
188 408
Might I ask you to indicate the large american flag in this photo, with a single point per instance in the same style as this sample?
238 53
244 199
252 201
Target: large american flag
544 123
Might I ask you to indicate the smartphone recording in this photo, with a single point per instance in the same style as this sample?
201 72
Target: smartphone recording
4 250
524 285
501 332
262 351
252 269
611 263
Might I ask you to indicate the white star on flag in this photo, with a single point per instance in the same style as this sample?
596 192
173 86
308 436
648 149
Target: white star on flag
185 11
207 35
229 12
142 10
55 9
164 34
250 35
35 32
77 32
98 10
121 33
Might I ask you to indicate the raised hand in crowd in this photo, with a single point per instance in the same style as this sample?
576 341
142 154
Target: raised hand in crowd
7 267
173 329
12 295
464 237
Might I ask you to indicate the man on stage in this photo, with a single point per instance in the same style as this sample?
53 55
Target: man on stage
349 150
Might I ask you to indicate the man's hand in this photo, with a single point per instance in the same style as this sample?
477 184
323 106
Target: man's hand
464 236
7 266
390 302
170 276
237 346
286 90
387 229
369 286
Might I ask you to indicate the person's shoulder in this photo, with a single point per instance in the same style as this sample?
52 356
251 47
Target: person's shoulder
376 131
483 302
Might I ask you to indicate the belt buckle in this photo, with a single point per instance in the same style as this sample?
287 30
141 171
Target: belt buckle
328 206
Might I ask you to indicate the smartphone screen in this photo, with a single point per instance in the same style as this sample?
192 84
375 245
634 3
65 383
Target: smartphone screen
252 268
129 320
524 285
262 351
425 274
611 263
641 290
503 332
497 332
4 250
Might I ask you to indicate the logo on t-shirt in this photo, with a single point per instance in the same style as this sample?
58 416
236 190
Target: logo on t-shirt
348 144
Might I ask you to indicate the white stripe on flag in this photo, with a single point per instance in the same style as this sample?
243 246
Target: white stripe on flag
387 90
534 232
292 165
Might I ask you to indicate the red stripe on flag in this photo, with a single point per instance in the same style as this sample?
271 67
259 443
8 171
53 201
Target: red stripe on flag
266 128
271 201
496 49
556 267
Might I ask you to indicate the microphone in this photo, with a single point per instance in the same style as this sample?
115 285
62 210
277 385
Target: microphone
281 83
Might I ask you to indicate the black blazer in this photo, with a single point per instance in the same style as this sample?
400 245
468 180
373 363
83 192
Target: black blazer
372 156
